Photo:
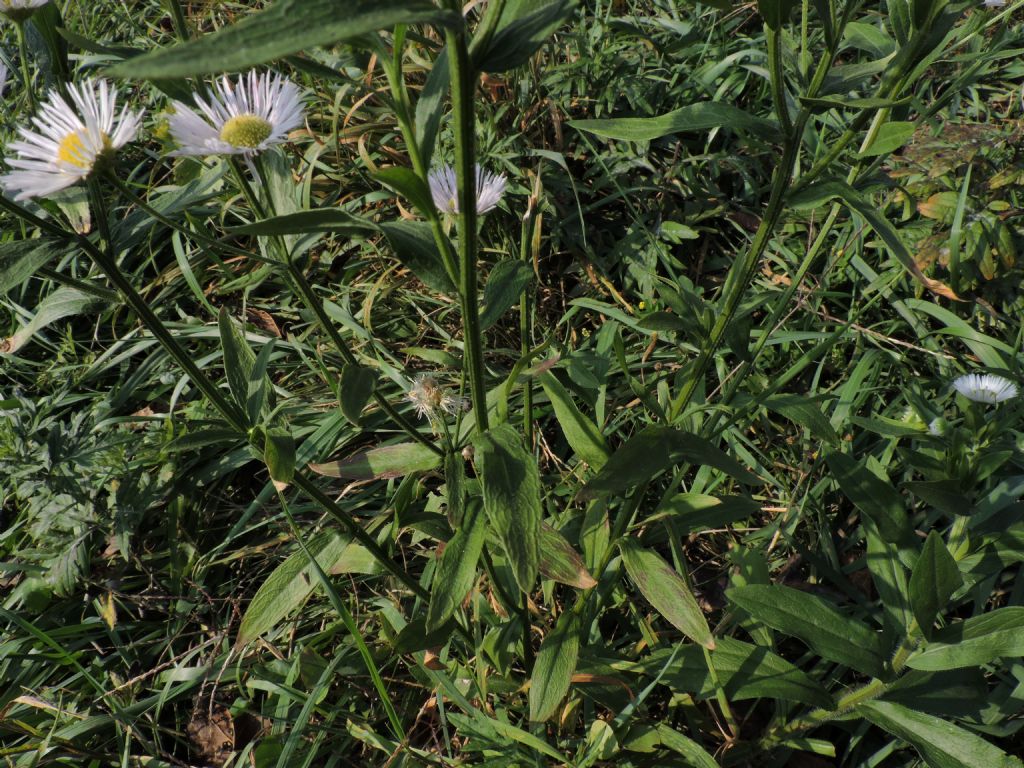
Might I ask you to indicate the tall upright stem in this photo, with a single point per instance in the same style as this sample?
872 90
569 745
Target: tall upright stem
26 74
463 87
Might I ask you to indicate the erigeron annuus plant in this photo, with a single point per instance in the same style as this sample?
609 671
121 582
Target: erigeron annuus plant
495 528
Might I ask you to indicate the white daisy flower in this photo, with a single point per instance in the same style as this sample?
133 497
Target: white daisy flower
69 142
490 188
985 388
240 118
19 10
3 78
987 3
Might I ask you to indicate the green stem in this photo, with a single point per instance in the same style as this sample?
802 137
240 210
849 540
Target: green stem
180 27
525 316
463 86
26 74
723 700
776 72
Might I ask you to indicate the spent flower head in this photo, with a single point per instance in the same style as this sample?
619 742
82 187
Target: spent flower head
490 187
20 10
241 117
69 140
432 399
985 387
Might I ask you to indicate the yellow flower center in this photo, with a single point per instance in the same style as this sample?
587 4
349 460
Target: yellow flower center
72 151
246 131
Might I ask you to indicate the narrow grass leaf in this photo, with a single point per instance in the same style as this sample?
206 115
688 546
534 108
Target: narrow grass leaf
666 591
819 624
554 668
284 28
941 744
693 753
580 432
511 490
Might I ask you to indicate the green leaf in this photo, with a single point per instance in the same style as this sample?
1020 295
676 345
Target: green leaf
890 137
381 463
292 582
775 12
504 287
21 259
357 384
804 412
63 302
890 580
580 432
414 636
279 455
259 394
555 666
693 753
932 582
456 572
941 744
430 106
304 222
874 497
976 641
284 28
655 449
238 359
697 511
511 489
409 185
560 562
702 116
413 244
819 624
523 27
666 591
746 671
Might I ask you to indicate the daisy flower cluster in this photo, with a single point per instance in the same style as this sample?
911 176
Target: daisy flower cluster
68 140
432 400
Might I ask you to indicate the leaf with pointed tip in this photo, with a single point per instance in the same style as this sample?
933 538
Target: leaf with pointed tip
932 582
356 384
386 462
554 668
457 570
560 562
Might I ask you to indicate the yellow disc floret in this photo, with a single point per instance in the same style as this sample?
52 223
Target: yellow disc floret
72 151
246 131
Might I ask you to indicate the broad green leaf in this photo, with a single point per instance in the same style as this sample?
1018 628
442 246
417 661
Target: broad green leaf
804 412
554 668
940 743
430 106
356 384
891 136
304 222
511 489
456 572
702 116
63 302
933 581
666 591
279 455
522 28
818 623
976 641
655 449
293 581
260 391
238 359
409 185
890 580
693 753
284 28
874 497
580 432
560 562
21 259
697 511
775 12
413 244
504 288
414 636
745 671
381 463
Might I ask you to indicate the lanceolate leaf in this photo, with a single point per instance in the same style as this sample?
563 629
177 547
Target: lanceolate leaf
702 116
238 359
556 663
504 287
940 743
816 622
357 384
560 562
381 463
873 496
284 28
63 302
666 591
580 432
934 579
19 260
457 570
523 27
975 641
511 489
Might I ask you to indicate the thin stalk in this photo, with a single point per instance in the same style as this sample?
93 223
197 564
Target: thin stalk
776 72
463 85
720 697
525 325
26 75
180 27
